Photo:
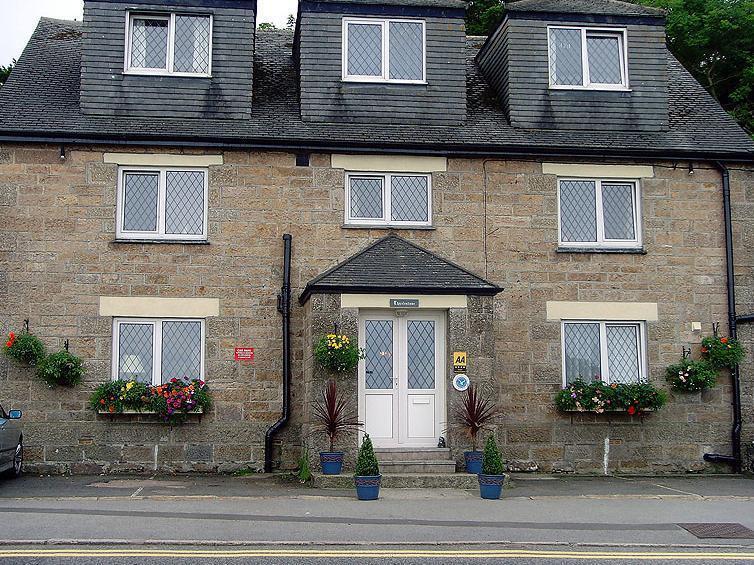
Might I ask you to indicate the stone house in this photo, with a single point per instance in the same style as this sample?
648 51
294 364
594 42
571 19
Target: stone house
549 200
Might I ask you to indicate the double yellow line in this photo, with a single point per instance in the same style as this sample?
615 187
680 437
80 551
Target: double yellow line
385 554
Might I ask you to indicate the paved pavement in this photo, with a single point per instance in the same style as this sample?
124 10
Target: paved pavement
641 516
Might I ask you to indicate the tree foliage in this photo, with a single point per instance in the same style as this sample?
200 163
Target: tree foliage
713 39
482 16
5 71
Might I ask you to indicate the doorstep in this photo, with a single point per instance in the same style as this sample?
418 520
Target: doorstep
463 481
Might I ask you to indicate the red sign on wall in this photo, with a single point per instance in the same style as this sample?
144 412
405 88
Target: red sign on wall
244 354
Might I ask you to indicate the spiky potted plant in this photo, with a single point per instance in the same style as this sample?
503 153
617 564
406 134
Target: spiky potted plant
367 476
333 415
473 414
492 477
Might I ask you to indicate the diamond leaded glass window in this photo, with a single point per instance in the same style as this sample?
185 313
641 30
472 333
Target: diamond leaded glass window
383 50
609 351
155 351
162 204
587 58
597 213
151 37
388 199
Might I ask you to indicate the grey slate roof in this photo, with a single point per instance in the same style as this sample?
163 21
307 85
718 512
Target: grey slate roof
392 264
421 3
601 7
41 101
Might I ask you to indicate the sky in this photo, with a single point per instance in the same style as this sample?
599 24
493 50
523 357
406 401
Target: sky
20 17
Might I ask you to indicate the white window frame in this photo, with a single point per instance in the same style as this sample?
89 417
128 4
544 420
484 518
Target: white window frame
586 83
387 186
605 376
602 242
156 324
385 25
160 234
170 62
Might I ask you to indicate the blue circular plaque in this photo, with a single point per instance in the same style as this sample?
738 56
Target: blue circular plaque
461 382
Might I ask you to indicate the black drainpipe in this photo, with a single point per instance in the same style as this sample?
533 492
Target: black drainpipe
735 459
284 307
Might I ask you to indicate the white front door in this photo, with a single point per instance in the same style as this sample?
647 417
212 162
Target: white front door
402 378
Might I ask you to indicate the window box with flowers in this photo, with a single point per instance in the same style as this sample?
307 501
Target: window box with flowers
172 402
598 397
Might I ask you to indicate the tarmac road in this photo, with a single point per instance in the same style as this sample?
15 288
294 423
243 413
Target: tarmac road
211 519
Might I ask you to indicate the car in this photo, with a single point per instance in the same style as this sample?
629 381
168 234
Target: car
11 443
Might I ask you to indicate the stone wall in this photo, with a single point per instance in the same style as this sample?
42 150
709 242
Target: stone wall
742 204
58 255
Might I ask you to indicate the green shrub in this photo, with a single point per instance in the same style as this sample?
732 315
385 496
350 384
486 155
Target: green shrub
492 460
366 462
691 376
61 368
304 469
25 348
337 353
722 352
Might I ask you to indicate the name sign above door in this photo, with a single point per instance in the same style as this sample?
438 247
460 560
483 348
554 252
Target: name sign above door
404 302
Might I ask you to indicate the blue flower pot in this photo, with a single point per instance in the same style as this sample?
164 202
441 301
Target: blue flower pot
491 486
368 488
331 462
473 461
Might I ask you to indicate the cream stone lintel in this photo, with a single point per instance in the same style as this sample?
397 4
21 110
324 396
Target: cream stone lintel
429 301
155 307
390 163
162 160
598 171
608 311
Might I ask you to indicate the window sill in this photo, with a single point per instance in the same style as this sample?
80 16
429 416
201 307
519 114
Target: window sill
167 241
592 88
386 227
383 81
158 73
614 250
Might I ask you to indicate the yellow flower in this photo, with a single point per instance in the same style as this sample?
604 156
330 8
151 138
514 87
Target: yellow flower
130 385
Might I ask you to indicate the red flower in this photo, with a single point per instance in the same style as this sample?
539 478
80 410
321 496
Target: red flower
631 410
724 340
11 339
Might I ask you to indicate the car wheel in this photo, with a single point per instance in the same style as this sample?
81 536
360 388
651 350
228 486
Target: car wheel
18 461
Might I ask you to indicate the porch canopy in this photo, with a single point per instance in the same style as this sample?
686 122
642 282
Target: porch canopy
392 265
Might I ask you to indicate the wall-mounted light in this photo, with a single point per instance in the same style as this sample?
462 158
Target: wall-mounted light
62 152
691 168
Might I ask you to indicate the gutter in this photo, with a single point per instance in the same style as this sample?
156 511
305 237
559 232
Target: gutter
366 148
735 434
284 307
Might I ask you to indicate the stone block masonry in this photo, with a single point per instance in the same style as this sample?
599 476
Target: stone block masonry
58 255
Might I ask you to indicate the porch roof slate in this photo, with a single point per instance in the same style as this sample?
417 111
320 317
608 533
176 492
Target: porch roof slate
40 102
392 264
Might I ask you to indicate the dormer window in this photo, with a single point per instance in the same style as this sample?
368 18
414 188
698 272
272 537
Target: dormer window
377 50
588 58
173 44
